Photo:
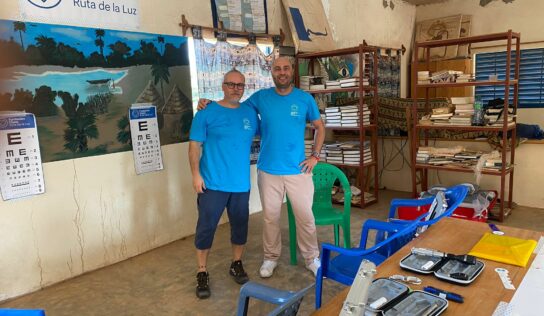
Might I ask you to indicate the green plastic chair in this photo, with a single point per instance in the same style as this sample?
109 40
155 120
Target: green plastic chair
324 176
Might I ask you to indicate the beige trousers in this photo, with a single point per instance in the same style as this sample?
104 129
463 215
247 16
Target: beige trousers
300 191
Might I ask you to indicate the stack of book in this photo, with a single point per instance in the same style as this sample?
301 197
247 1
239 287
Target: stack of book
441 116
495 117
311 83
464 110
333 153
463 77
351 152
346 116
349 82
332 84
423 155
423 77
445 76
333 117
348 153
447 156
308 149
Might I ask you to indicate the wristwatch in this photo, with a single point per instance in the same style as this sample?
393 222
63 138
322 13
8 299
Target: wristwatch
315 154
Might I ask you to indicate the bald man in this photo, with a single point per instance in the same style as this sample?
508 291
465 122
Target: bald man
223 133
282 166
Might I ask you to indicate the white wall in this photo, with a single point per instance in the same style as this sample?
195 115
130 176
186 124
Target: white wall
96 211
353 21
522 16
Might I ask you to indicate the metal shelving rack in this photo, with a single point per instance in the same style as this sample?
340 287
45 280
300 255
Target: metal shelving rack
508 82
364 52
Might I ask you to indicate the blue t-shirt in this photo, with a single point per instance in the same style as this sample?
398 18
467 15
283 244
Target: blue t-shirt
283 122
226 135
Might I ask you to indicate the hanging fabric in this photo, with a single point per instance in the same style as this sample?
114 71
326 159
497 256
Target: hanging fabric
214 60
389 74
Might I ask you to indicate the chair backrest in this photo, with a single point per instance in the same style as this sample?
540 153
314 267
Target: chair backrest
397 237
292 305
454 196
324 177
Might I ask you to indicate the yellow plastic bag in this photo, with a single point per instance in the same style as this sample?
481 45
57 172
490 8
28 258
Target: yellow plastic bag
504 249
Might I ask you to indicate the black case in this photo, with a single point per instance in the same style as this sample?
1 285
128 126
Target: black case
443 268
399 299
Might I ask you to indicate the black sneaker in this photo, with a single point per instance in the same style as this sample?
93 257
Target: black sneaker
238 273
203 285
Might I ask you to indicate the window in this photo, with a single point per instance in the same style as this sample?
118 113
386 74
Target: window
531 76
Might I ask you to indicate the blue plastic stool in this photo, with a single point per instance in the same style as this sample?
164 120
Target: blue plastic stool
288 301
21 312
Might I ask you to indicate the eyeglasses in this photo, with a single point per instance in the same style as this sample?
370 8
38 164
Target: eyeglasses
238 86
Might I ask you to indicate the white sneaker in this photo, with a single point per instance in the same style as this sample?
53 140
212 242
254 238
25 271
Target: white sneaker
314 266
267 269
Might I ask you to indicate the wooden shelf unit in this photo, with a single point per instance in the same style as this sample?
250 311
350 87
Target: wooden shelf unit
506 169
364 52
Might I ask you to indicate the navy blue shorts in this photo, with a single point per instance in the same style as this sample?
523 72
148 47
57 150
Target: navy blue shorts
210 207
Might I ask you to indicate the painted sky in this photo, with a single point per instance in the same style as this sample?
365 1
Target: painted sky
82 38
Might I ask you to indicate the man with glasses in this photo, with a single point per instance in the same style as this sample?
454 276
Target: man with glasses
282 166
223 132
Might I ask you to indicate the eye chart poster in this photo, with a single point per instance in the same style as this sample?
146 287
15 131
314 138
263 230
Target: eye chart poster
21 172
146 145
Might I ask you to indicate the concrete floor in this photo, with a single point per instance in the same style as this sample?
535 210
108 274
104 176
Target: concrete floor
162 281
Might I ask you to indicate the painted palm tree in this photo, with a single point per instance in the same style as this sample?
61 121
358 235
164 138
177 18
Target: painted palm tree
160 39
80 129
160 73
47 47
99 40
81 126
21 28
124 136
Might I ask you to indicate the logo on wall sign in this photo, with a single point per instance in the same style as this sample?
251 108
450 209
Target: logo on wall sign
45 4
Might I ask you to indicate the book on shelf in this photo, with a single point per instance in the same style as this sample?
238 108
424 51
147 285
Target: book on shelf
317 87
462 100
442 110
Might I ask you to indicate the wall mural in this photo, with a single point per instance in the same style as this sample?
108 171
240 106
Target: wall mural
80 82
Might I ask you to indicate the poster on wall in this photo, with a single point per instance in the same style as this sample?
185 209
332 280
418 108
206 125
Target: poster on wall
21 172
80 82
114 14
439 29
242 16
309 25
146 144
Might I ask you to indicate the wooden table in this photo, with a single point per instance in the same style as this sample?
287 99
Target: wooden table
453 236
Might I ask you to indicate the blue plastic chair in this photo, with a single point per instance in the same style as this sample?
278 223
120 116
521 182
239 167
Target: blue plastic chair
21 312
288 301
389 238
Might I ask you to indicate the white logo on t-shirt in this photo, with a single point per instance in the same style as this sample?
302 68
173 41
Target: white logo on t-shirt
247 124
294 110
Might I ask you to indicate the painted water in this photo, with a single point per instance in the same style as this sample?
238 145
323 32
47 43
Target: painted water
101 81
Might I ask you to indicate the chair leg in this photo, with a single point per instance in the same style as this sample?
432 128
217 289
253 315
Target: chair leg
243 305
318 290
347 235
292 234
337 235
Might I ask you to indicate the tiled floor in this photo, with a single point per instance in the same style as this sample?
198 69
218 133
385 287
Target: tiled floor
162 281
